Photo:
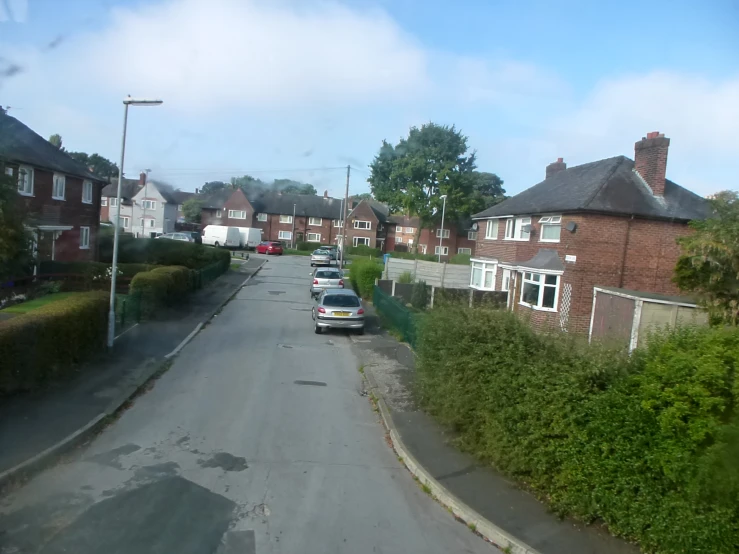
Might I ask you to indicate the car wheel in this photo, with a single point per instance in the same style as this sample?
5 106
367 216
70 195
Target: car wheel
216 244
316 329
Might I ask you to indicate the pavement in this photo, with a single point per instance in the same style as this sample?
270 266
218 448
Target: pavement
259 438
32 423
501 511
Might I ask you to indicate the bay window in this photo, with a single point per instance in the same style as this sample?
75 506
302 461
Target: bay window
483 275
539 291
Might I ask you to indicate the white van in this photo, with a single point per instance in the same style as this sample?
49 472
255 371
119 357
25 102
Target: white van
222 236
250 237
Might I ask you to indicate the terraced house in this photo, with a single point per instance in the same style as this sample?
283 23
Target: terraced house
612 222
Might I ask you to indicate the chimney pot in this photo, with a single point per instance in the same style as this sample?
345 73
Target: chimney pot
142 178
555 167
650 160
559 160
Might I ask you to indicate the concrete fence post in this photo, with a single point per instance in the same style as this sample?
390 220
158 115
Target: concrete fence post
443 274
432 296
392 290
472 295
415 268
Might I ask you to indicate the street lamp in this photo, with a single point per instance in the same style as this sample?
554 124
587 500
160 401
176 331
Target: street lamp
441 234
128 101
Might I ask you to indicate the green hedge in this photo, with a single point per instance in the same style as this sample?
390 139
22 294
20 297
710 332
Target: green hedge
161 287
648 444
91 269
362 274
308 246
363 251
163 252
460 259
46 343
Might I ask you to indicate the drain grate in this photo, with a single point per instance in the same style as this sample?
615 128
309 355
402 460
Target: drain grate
311 383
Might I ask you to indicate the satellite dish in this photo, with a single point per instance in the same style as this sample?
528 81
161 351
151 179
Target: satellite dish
571 226
475 226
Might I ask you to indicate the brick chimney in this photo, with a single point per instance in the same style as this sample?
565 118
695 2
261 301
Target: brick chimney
142 178
325 194
650 160
556 167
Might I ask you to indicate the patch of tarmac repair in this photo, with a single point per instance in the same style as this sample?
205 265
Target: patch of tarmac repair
225 461
156 471
111 457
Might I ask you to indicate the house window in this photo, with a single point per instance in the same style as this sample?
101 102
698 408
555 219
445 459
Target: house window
285 235
150 205
286 219
491 229
84 237
87 192
9 171
539 291
125 221
237 214
398 239
338 223
219 213
410 229
365 241
467 251
471 235
60 183
483 275
506 279
113 202
261 217
444 232
25 180
514 228
315 221
410 242
422 248
366 225
314 237
147 222
443 249
551 227
104 201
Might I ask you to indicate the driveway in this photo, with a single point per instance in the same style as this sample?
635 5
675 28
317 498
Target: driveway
257 440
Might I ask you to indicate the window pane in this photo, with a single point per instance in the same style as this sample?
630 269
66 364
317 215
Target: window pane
476 276
488 280
551 280
530 293
550 232
548 300
535 277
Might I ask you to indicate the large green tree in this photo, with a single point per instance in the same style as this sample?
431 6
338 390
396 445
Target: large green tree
213 186
56 140
487 190
363 196
411 176
289 186
15 252
97 164
191 209
709 264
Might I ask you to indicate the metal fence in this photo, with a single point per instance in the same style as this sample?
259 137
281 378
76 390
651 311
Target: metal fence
395 315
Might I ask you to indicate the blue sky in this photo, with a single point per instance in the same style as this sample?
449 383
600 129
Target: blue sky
296 88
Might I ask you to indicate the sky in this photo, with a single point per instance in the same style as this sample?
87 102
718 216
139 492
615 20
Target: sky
302 88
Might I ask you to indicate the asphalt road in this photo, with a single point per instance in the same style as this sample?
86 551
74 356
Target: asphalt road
257 440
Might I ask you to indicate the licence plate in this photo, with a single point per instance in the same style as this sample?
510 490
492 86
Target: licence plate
342 314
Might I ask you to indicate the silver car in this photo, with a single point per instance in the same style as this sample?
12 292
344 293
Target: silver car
326 278
339 309
320 257
184 237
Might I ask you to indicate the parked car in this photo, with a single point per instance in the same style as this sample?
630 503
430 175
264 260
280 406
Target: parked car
250 237
197 237
269 247
338 309
320 257
333 250
326 278
220 235
184 237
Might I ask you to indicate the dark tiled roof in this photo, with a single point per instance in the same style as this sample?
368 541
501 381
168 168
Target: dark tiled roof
545 259
18 143
129 188
605 186
305 205
181 196
216 200
382 212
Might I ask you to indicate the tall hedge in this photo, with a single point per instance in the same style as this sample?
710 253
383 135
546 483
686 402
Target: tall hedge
362 274
647 444
162 287
162 252
46 343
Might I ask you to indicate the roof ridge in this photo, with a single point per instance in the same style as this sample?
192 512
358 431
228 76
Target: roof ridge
606 179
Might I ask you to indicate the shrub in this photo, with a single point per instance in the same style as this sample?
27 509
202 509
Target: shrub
405 278
363 250
182 281
153 289
46 343
648 444
363 274
92 271
460 259
420 295
163 252
308 246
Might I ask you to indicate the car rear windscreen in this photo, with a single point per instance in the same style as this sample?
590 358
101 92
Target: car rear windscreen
328 275
341 301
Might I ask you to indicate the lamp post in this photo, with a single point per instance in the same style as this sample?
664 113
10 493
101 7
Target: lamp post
128 101
441 235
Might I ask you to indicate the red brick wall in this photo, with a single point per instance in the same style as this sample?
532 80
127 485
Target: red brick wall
363 213
237 201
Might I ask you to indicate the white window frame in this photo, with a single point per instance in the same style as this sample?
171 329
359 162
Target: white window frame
316 237
151 220
126 221
113 202
471 235
487 272
398 239
219 213
550 221
25 180
9 171
315 221
365 241
422 248
410 242
103 201
514 226
286 219
445 233
505 280
179 207
463 250
367 223
232 214
542 285
444 250
410 229
87 192
59 187
261 217
149 204
338 223
491 229
285 235
84 238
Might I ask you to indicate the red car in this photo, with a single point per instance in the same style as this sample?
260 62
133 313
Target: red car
269 247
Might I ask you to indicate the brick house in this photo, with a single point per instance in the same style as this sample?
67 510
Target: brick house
612 222
228 207
109 193
458 237
60 196
369 224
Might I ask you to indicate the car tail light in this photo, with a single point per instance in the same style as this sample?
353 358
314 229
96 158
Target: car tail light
341 282
360 311
321 310
315 281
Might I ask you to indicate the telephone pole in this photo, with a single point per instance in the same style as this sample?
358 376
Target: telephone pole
344 212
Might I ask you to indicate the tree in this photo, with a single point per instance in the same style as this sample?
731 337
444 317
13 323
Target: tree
487 191
363 196
288 186
15 251
709 264
213 186
97 164
412 176
191 208
56 140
